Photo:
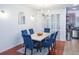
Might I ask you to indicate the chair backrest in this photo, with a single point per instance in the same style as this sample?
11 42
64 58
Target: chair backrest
28 41
24 32
51 37
47 30
55 35
31 31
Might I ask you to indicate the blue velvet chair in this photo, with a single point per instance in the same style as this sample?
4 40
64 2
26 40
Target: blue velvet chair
47 30
24 32
54 40
48 42
28 43
31 31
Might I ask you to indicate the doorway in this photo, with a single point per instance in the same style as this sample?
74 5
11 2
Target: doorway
70 22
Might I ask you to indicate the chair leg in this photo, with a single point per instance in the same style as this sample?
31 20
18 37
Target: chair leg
54 47
23 44
25 51
51 47
40 46
49 50
31 51
40 49
37 50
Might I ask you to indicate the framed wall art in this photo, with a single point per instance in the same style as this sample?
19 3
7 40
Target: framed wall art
21 18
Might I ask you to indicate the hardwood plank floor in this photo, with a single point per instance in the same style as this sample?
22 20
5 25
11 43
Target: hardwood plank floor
71 47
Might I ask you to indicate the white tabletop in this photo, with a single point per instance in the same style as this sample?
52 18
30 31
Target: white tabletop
39 38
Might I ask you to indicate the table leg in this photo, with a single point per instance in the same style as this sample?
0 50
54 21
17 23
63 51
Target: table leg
40 46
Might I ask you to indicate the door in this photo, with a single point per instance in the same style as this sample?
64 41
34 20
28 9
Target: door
55 24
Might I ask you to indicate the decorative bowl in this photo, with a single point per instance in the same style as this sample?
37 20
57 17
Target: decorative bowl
40 33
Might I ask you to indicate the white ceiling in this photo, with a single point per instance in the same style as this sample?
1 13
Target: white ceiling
49 6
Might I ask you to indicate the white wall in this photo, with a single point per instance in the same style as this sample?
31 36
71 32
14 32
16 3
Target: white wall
10 31
63 24
38 22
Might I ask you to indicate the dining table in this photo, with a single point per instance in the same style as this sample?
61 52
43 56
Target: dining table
40 38
37 37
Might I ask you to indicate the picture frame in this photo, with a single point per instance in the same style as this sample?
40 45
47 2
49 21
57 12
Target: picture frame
21 18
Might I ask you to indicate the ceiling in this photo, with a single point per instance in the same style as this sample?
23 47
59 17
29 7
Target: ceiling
49 6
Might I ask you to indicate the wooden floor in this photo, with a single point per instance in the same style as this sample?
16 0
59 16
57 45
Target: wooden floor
66 48
59 49
71 47
12 51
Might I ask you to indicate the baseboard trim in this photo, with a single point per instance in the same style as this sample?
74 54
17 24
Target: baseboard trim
11 47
